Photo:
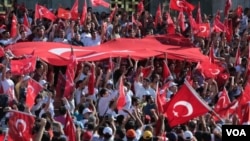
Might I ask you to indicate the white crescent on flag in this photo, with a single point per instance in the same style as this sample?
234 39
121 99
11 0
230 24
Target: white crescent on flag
180 3
23 123
185 104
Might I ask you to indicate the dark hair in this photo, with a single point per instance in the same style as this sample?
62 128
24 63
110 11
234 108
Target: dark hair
63 110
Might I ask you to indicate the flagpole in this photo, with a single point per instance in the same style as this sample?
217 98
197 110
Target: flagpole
11 110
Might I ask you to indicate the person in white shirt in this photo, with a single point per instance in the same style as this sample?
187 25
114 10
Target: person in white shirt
61 37
86 35
95 39
8 84
143 88
7 40
103 102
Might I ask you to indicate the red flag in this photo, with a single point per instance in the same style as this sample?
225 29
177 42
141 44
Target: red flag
237 57
223 101
121 101
246 115
43 12
166 71
211 54
193 24
158 16
100 3
171 26
74 10
204 30
70 75
2 52
218 25
20 126
146 71
181 5
84 13
25 20
69 128
13 31
140 7
33 90
224 113
227 7
64 14
91 84
209 70
160 99
198 15
181 20
185 105
111 16
111 64
23 66
229 29
60 84
239 11
2 137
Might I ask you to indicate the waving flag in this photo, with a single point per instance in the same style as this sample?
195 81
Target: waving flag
100 3
166 71
140 7
70 75
223 101
74 10
111 16
171 26
43 12
204 30
23 66
158 16
121 101
20 126
84 13
181 20
33 90
198 15
64 14
69 128
185 105
228 5
25 20
91 84
181 5
13 31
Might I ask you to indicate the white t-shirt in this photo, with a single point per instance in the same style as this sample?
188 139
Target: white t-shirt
92 97
61 40
8 88
78 94
140 90
85 36
92 42
103 104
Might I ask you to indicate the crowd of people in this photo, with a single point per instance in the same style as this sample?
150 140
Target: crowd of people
95 116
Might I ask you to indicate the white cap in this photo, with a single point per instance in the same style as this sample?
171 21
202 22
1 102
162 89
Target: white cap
86 110
188 135
172 84
42 82
26 77
108 130
217 129
7 69
110 82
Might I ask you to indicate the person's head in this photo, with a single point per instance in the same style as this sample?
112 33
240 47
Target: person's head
40 31
6 34
77 36
103 92
146 82
62 110
188 136
147 135
61 33
86 113
8 73
107 132
131 134
173 87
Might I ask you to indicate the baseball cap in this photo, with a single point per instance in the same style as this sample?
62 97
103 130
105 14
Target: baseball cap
86 110
27 77
147 135
107 130
87 136
110 82
188 135
43 82
7 69
131 133
172 84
